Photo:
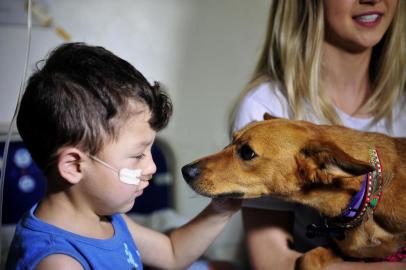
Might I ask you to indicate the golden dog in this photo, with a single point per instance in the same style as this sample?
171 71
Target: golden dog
357 180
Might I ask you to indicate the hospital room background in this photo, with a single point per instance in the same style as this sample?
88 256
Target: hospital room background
202 51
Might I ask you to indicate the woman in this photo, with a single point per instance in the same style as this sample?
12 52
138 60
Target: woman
325 61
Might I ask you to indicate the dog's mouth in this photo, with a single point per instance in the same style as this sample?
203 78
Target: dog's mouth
233 195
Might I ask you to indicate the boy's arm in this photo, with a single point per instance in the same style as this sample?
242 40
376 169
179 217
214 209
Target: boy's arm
184 244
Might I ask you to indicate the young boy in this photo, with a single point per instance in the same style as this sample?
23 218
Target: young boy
89 120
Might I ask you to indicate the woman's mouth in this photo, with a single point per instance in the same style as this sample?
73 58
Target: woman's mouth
368 20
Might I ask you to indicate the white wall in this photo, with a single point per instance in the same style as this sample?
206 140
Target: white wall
202 50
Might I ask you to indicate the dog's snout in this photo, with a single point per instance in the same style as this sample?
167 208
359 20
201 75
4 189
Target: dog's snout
190 172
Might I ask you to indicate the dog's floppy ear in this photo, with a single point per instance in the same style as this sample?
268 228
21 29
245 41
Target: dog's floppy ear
267 116
324 161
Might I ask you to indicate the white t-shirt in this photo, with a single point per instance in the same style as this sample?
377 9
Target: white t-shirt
267 97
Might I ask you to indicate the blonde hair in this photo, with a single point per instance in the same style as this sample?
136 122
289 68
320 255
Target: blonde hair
292 57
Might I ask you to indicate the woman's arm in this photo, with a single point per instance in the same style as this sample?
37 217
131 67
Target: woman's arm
187 243
269 238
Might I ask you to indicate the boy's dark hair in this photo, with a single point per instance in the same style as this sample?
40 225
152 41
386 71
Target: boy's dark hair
75 98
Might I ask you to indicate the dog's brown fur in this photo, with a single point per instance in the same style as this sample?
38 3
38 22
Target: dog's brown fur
316 165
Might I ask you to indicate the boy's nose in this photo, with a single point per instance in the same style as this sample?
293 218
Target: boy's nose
190 172
150 168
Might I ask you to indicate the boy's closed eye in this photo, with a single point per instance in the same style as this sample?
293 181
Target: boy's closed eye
139 157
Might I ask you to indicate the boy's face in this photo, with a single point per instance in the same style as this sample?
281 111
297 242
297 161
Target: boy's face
131 150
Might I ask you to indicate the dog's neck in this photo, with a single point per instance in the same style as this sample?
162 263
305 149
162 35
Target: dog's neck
353 208
361 206
338 201
363 203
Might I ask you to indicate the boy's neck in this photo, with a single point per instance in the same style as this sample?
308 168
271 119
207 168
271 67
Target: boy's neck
66 211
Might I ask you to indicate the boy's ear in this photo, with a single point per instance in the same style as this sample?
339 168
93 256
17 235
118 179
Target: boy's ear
69 164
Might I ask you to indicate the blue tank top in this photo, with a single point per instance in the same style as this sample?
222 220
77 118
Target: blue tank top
34 240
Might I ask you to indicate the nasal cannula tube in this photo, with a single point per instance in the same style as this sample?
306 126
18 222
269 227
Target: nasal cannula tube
10 129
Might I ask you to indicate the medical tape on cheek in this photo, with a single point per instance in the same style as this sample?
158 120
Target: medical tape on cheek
127 176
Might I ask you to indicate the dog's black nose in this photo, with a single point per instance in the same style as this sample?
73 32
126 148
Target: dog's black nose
190 172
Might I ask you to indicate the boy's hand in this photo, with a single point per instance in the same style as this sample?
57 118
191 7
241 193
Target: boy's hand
226 205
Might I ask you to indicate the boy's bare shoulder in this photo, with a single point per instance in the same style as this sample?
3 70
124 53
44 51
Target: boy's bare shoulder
59 261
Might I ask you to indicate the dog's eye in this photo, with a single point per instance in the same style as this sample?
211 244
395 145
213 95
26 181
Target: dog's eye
246 153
